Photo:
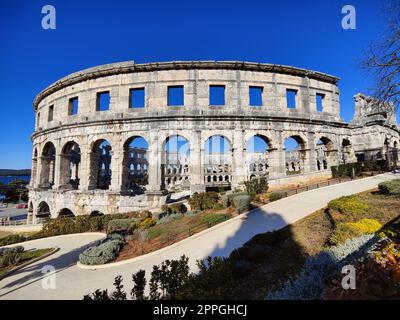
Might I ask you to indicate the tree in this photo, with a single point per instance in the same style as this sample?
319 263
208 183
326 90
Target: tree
383 61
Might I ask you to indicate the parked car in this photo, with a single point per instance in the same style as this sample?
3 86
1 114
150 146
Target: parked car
22 206
3 205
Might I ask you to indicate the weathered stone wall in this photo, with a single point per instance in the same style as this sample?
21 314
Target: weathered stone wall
196 121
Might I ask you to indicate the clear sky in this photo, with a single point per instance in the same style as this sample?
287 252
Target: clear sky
305 34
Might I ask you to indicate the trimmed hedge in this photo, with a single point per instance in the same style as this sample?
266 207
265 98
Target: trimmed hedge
121 226
203 200
12 238
274 196
348 204
390 187
242 203
107 250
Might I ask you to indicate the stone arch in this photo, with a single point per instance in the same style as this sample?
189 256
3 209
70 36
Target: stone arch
96 213
47 166
135 165
218 159
43 211
70 165
324 153
346 151
174 162
295 154
66 213
258 149
100 165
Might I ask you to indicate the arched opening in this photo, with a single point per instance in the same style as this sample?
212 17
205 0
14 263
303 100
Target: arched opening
218 159
47 163
324 153
175 163
70 162
258 149
346 151
100 165
66 213
135 164
43 212
96 214
295 155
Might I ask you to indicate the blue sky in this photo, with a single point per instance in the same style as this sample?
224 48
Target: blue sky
305 34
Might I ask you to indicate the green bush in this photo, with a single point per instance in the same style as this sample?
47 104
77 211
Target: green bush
213 218
10 259
145 214
16 249
242 203
203 201
169 218
256 185
147 223
390 187
121 226
274 196
192 213
348 205
346 170
11 239
225 201
106 251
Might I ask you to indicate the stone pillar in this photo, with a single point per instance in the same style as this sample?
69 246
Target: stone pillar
62 175
116 167
87 173
197 183
238 167
34 175
279 158
310 164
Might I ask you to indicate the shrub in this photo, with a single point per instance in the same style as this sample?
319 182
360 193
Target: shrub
11 239
169 218
16 249
274 196
192 213
218 206
178 208
147 223
346 170
242 203
367 225
256 185
121 226
225 201
348 204
145 214
390 187
213 218
9 259
203 201
106 251
318 270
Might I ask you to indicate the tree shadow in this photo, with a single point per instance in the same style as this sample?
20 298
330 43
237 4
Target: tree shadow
34 271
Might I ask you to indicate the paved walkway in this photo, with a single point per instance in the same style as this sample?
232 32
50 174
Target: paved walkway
73 282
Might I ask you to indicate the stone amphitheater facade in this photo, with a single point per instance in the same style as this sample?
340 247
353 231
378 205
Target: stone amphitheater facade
83 161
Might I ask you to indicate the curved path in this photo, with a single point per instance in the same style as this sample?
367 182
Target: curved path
73 282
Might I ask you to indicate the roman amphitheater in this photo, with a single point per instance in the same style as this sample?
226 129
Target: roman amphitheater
125 136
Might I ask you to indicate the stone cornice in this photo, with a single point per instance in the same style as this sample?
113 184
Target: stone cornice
131 67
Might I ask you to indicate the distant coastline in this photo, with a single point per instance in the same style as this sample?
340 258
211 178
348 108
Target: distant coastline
15 172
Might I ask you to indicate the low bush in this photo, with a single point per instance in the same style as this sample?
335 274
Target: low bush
256 185
192 213
242 203
348 230
107 250
169 218
9 259
225 201
390 187
145 214
147 223
16 249
125 226
203 201
348 205
346 170
274 196
11 239
318 270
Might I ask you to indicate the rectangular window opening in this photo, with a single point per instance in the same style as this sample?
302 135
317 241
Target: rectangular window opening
103 101
136 98
217 95
51 113
73 106
175 96
291 96
320 99
255 96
